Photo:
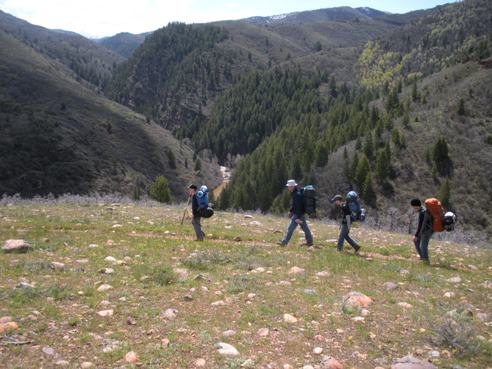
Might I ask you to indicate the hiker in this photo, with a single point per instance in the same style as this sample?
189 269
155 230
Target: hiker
296 215
192 192
346 223
424 230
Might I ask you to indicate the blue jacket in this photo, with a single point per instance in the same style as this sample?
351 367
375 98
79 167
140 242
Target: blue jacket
297 207
194 206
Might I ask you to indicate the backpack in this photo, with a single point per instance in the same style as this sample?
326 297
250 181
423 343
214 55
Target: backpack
202 196
309 199
435 209
207 212
449 221
356 212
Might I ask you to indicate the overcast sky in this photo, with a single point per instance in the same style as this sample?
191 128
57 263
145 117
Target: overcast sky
98 18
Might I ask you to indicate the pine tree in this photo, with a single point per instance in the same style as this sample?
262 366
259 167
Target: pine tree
445 194
461 107
368 193
160 190
361 172
440 156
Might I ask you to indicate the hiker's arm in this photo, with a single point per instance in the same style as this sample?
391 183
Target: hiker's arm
419 227
349 221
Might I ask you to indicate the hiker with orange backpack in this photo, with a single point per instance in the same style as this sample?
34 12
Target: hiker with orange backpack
431 219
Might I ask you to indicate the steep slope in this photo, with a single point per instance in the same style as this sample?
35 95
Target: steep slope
176 77
58 136
123 43
87 60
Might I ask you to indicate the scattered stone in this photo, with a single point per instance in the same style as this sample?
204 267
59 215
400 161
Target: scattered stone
181 273
317 350
449 295
200 363
323 274
57 266
188 297
308 367
106 271
170 314
131 321
109 242
62 363
296 270
48 351
251 296
93 246
228 333
16 246
330 363
104 287
165 342
227 350
288 366
105 313
8 326
404 272
238 239
411 362
24 285
356 299
290 319
131 357
218 303
110 259
358 319
255 223
5 319
248 364
258 270
284 283
247 216
364 312
310 291
390 286
482 317
456 279
405 305
435 354
263 332
86 365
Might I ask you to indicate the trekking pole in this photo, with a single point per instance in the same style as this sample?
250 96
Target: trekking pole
185 210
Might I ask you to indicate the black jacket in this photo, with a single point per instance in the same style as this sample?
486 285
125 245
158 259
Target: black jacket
297 207
421 220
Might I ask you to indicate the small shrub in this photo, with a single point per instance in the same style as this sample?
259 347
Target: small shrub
459 333
164 275
160 190
239 284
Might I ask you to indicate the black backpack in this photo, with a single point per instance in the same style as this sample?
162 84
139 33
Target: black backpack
309 200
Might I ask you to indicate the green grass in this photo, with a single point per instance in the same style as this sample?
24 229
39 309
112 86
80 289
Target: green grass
60 311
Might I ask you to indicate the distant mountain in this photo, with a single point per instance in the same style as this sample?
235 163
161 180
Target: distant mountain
87 60
57 136
176 78
123 43
340 14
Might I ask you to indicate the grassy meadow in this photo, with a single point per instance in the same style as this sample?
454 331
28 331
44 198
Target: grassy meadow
234 287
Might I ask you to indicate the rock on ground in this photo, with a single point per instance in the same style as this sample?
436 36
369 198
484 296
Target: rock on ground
227 350
329 362
410 362
18 246
131 357
356 299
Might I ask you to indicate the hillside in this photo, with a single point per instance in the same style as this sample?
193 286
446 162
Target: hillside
57 136
124 285
123 43
87 60
202 72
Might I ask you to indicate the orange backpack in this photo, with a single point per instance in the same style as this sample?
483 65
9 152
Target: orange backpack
435 209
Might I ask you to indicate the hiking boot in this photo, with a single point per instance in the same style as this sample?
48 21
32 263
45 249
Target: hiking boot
280 243
425 261
357 248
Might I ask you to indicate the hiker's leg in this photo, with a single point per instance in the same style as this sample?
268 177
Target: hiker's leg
341 237
290 230
417 246
424 246
307 231
350 240
198 228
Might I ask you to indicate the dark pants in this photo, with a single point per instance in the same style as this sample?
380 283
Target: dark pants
292 227
424 246
198 228
344 235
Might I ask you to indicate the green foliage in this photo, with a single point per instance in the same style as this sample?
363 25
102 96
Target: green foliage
160 190
255 107
198 165
361 172
440 156
164 275
171 159
445 193
368 194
